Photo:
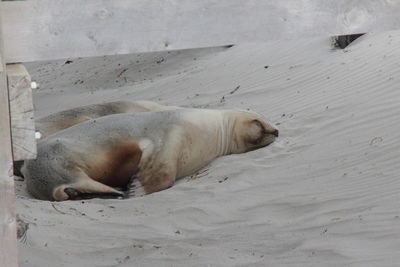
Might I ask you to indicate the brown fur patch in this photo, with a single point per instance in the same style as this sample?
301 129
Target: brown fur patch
118 165
75 122
61 125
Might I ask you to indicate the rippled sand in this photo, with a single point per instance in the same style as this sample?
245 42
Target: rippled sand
327 193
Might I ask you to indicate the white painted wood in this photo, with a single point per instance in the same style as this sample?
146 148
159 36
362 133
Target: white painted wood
21 108
48 29
8 235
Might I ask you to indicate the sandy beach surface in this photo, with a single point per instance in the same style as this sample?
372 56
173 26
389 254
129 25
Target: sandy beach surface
326 193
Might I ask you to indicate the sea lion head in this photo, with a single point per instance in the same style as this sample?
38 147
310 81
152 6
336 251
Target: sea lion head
250 131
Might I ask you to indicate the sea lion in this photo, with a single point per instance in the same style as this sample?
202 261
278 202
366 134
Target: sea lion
56 122
148 150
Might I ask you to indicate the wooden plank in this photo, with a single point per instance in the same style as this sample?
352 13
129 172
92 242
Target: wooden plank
47 29
8 235
21 108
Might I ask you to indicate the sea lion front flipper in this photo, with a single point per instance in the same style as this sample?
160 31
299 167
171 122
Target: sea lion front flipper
134 188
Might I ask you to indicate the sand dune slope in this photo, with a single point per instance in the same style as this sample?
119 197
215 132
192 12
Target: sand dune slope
327 193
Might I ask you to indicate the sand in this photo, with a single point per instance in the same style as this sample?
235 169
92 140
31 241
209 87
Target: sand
326 193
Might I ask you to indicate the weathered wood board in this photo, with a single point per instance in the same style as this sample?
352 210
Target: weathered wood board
76 28
8 235
21 108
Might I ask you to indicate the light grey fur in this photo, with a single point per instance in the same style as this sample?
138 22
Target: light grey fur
64 119
57 153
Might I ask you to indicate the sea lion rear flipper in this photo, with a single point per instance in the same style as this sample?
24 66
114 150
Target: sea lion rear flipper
75 195
83 189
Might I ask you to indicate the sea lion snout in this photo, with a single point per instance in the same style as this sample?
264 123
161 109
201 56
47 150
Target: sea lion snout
275 133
